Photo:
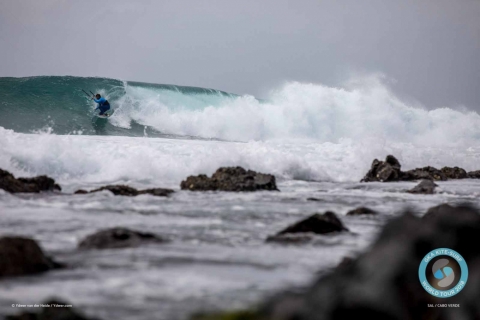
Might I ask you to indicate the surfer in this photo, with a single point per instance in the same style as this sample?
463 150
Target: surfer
103 104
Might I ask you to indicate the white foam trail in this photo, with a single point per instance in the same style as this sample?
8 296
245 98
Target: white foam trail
77 161
301 111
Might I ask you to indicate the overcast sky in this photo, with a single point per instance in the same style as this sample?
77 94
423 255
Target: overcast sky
430 49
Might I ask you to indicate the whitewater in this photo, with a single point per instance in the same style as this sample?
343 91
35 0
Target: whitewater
318 141
300 132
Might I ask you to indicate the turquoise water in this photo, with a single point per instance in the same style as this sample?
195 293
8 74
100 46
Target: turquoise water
58 104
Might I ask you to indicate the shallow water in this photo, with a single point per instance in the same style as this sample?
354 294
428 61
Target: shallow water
216 258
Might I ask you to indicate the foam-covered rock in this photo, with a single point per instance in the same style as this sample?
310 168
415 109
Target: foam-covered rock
230 179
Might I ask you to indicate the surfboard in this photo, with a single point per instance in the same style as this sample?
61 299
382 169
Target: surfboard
107 114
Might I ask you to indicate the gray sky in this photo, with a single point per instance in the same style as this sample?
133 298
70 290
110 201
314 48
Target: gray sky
431 49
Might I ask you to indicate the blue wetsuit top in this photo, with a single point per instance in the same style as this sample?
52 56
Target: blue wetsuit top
101 102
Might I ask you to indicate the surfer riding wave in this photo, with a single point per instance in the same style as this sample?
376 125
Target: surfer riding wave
103 104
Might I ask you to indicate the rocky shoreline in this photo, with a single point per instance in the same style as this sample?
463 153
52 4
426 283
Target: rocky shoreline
238 179
382 283
354 288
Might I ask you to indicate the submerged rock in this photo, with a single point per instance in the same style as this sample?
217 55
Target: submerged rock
122 190
118 190
118 238
361 211
317 223
23 256
230 179
26 185
54 310
159 192
383 282
424 187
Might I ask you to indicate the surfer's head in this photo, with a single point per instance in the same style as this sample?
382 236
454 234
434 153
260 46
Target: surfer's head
97 96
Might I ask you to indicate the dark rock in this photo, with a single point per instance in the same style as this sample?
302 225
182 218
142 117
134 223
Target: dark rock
424 187
291 238
118 238
361 211
159 192
26 185
383 282
317 223
388 170
230 179
56 310
439 210
122 190
118 190
474 174
235 315
200 182
22 256
425 173
454 173
346 261
446 212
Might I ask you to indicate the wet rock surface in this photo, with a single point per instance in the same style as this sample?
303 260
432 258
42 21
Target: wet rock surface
122 190
429 173
22 256
474 174
317 224
361 211
390 170
231 179
383 282
53 310
454 173
26 185
118 238
424 187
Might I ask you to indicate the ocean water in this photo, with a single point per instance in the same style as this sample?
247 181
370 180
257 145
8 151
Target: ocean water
318 141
